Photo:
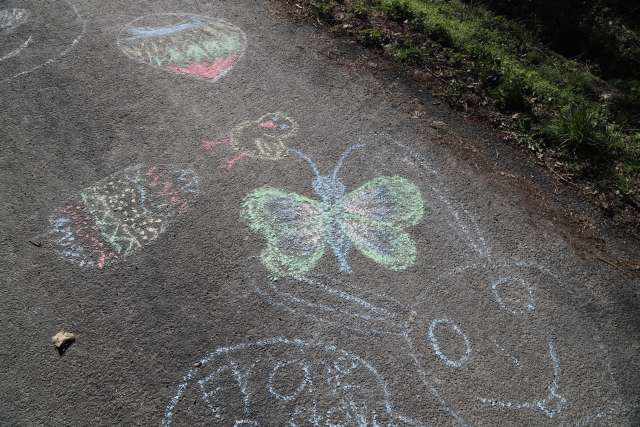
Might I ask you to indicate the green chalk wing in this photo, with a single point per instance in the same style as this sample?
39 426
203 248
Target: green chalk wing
376 215
292 225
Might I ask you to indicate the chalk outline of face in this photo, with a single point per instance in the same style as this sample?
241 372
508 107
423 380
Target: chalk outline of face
550 404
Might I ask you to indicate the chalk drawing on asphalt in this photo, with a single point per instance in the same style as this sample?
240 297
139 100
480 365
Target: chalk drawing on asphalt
508 359
10 19
551 405
182 43
282 381
505 293
372 218
460 219
117 216
264 138
505 290
332 300
36 35
447 359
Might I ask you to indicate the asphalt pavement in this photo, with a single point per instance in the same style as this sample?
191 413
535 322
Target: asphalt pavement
241 229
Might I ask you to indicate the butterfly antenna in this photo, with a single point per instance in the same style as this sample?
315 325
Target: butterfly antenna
301 155
344 156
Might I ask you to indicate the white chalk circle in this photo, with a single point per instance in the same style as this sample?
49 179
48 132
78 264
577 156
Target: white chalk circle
181 43
281 381
306 379
448 360
514 295
35 34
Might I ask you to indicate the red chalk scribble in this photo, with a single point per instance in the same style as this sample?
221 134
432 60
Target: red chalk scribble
206 70
153 174
210 144
169 192
228 164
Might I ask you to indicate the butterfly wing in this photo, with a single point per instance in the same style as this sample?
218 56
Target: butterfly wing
292 225
376 215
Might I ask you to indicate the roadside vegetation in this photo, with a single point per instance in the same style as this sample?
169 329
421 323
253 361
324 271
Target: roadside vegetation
562 79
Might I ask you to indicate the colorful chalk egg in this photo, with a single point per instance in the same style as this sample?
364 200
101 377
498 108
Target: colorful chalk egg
118 215
188 44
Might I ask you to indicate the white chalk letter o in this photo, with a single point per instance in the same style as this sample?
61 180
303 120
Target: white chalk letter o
305 380
435 344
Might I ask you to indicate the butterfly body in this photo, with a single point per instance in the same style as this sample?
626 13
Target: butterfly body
331 191
370 218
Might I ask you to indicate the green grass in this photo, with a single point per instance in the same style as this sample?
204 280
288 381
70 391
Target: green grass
500 45
561 99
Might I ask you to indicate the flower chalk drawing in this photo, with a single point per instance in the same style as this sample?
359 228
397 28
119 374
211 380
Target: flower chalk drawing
372 218
181 43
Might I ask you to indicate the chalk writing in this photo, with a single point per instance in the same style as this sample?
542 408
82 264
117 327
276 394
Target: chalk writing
435 343
303 382
372 218
120 214
282 381
184 44
33 38
261 139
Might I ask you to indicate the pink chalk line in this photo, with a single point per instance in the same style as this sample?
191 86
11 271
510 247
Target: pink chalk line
210 144
228 164
204 69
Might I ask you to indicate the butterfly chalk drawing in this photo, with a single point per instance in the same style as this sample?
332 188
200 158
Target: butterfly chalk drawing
372 218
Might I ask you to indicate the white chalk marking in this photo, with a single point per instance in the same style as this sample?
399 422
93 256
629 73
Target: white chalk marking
469 230
435 343
376 319
551 405
17 50
444 405
64 52
530 304
306 379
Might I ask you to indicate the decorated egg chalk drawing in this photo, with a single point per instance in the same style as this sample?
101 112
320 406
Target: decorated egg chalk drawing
120 214
194 45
